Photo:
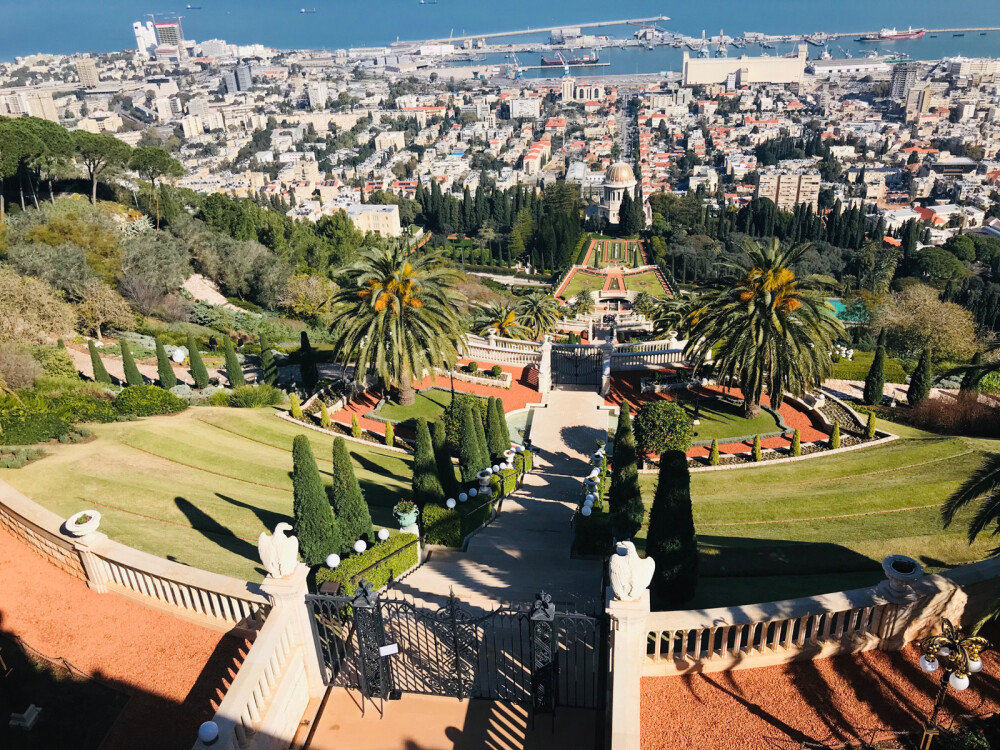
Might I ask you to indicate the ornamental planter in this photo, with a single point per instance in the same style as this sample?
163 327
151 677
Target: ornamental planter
901 572
83 523
484 481
406 519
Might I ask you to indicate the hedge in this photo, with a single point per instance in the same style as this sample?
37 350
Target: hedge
19 426
395 564
503 483
449 527
83 407
147 401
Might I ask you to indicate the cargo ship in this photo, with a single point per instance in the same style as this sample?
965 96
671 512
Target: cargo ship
590 59
891 35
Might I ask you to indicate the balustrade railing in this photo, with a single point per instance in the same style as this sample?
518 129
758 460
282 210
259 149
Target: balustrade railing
638 360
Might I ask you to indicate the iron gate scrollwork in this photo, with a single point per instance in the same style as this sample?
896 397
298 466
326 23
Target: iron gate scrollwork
577 365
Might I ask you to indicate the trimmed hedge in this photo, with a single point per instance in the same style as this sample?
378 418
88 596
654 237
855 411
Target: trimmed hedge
19 426
592 535
395 564
147 401
83 407
449 527
503 483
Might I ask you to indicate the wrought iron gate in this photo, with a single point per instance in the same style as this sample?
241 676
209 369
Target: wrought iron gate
530 653
576 365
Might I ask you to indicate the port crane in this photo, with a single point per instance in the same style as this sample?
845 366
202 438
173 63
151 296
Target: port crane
564 63
515 71
844 52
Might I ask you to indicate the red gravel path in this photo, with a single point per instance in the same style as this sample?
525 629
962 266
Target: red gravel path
827 700
167 666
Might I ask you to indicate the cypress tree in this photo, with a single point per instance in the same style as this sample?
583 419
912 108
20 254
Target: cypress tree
198 371
347 499
469 456
442 457
875 382
390 434
427 487
920 381
755 452
494 431
234 373
163 369
870 427
324 415
796 449
132 374
315 525
296 407
304 344
835 436
479 423
502 421
269 367
713 455
100 371
355 427
671 539
624 497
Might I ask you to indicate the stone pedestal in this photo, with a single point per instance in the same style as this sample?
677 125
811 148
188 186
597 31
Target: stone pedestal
628 651
606 351
289 594
545 367
96 576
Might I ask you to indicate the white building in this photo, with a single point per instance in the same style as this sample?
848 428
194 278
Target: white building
618 178
145 37
318 94
382 220
522 107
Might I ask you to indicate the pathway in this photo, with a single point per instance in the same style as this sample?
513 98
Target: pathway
115 368
527 548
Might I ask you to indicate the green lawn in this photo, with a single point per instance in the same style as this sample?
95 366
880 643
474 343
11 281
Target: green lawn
198 487
857 369
721 419
825 524
581 281
430 404
645 282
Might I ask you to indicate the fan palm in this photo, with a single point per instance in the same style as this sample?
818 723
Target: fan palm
768 328
984 485
501 319
398 315
539 313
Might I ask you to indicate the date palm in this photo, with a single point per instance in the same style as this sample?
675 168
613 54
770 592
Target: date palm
768 329
674 314
398 315
539 313
983 485
501 319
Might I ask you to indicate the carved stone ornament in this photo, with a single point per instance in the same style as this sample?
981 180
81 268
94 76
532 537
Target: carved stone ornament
630 574
279 553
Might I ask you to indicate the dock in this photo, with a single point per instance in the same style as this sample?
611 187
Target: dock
541 29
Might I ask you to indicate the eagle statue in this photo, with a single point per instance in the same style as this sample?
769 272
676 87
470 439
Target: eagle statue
279 553
630 574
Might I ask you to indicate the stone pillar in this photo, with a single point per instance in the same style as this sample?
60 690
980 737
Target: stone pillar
93 566
628 651
288 596
606 351
545 367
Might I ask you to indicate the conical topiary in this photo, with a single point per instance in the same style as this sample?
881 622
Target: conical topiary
470 457
324 415
755 453
234 371
164 369
315 524
442 457
347 499
920 381
295 406
624 495
870 427
671 539
835 436
427 487
875 381
269 367
796 449
390 434
132 374
502 420
355 427
100 371
198 372
713 454
495 431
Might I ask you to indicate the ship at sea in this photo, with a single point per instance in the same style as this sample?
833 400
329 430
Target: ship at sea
590 59
892 35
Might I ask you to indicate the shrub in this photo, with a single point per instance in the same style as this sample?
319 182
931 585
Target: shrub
529 460
875 381
755 453
671 539
220 397
397 561
254 396
324 415
315 525
21 426
920 381
592 535
198 371
796 449
309 370
959 740
472 367
624 496
355 426
234 372
713 455
442 459
502 422
508 481
452 416
441 525
497 440
18 369
427 486
347 499
147 401
97 364
269 367
55 360
164 370
964 416
870 427
835 436
82 407
496 371
390 434
296 407
662 426
132 375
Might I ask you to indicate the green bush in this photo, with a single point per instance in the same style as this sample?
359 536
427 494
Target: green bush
296 407
396 563
315 525
255 396
355 426
270 368
472 367
870 427
662 426
713 455
796 449
671 539
920 381
20 426
835 436
529 460
100 371
18 457
442 459
967 740
55 361
234 371
496 371
592 535
220 397
441 525
147 401
132 375
82 407
324 416
503 482
390 434
452 416
875 380
755 453
164 370
427 486
347 499
198 371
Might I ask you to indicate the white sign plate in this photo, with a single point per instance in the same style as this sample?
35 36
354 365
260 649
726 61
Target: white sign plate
392 648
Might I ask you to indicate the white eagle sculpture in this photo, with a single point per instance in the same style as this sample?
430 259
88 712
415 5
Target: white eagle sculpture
630 574
279 553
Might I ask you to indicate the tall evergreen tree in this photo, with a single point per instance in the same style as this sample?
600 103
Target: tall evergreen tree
427 486
347 499
234 372
132 374
671 539
163 368
920 381
198 371
442 457
97 364
470 460
495 431
309 370
624 496
479 422
875 382
269 367
315 525
971 378
502 420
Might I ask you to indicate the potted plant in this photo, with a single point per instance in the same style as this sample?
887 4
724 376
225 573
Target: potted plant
405 512
83 523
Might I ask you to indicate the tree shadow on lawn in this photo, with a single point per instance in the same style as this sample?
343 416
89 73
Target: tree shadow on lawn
270 518
217 533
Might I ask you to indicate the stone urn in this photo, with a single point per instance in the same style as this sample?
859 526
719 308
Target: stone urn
83 523
405 514
484 481
901 572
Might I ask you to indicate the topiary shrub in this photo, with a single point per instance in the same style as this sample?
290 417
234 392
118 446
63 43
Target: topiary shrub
255 396
472 367
497 440
755 452
324 415
132 375
713 455
295 406
82 407
796 449
452 416
427 486
355 427
147 401
624 495
390 434
269 367
347 499
662 426
315 525
234 371
164 369
870 427
442 459
97 364
198 371
835 436
496 371
875 381
671 539
529 460
920 381
441 526
394 559
55 360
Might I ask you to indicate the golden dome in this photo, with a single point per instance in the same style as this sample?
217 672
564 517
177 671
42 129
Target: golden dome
620 173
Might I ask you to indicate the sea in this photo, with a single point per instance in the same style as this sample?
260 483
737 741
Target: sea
66 26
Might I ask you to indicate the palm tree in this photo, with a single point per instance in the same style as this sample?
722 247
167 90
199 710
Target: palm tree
767 328
984 485
675 314
398 315
644 304
583 303
539 313
501 319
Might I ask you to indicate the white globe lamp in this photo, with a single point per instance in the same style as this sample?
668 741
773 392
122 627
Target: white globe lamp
450 502
383 534
462 497
473 492
959 682
332 560
928 665
586 510
975 665
360 546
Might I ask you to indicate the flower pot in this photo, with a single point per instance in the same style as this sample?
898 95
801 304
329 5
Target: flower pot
406 519
83 523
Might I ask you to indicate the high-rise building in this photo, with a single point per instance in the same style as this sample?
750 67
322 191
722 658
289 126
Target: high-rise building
198 108
317 93
145 37
30 103
87 70
229 81
244 80
787 189
904 76
169 34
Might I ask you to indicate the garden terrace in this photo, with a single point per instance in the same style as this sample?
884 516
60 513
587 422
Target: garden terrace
603 252
200 486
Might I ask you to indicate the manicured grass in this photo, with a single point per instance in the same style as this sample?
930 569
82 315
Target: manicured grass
430 404
825 524
857 369
645 282
581 281
721 419
199 487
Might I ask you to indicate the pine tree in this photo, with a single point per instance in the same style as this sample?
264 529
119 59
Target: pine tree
495 431
269 367
671 539
427 486
920 381
315 525
132 374
324 415
624 496
835 436
470 457
442 457
875 382
870 427
713 455
296 407
198 371
234 372
755 452
390 434
163 368
100 371
796 449
347 499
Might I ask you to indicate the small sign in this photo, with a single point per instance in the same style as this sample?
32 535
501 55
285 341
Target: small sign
392 648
